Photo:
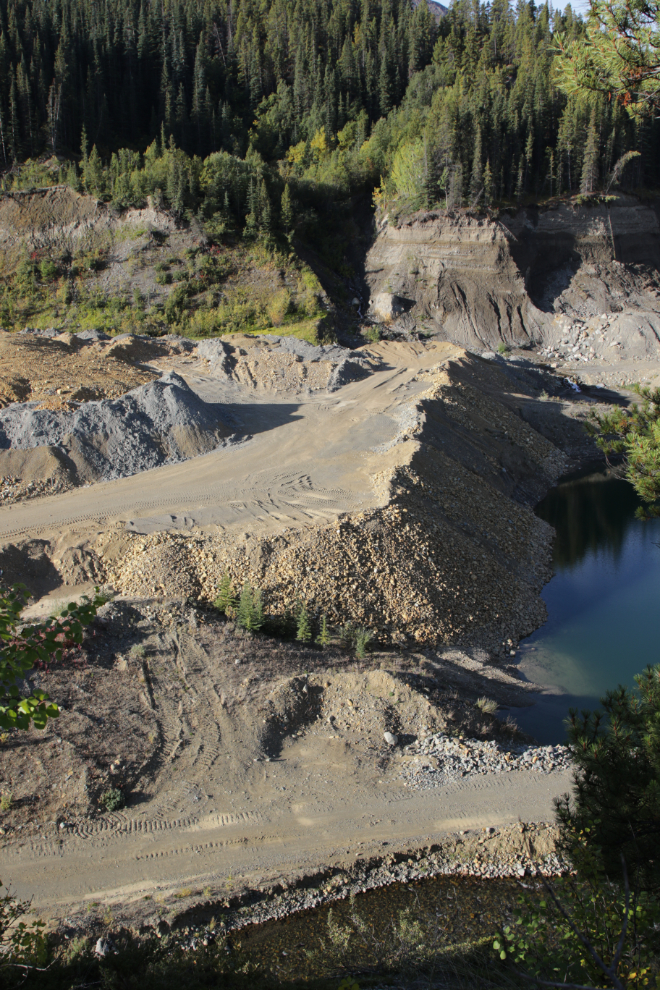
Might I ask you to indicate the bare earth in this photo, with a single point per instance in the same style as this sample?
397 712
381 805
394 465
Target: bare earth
403 498
245 762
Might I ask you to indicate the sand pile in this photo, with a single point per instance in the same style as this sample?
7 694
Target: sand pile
452 555
58 369
158 423
269 361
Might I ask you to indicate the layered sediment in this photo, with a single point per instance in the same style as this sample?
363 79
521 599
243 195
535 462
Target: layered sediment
482 281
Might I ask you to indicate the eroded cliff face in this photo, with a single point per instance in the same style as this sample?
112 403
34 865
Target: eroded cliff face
516 279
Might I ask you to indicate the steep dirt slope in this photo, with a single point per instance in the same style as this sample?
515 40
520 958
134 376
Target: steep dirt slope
428 458
524 278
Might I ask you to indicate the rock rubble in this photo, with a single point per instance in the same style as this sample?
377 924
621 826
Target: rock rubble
440 759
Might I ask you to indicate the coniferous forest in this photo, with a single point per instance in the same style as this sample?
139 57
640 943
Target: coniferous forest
264 115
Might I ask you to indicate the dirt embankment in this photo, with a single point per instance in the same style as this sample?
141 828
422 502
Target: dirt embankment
441 453
401 502
454 554
246 764
524 278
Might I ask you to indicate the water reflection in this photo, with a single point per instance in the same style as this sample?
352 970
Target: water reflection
591 511
602 603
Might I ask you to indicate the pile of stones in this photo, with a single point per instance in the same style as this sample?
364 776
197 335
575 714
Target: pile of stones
439 759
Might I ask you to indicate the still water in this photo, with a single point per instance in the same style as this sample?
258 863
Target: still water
603 601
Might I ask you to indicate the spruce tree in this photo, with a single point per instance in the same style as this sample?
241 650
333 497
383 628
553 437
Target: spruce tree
257 610
476 179
323 637
245 610
589 177
287 210
226 599
304 631
488 184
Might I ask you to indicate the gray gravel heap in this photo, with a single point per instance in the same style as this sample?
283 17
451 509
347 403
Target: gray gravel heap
351 369
93 336
442 758
307 351
37 331
161 422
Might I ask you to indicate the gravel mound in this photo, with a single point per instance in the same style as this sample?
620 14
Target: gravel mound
283 361
307 351
48 332
351 369
442 758
93 335
158 423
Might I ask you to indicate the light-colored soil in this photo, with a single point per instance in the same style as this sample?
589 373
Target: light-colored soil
400 502
57 372
330 497
241 758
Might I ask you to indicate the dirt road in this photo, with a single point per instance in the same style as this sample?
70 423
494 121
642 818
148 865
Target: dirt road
304 459
123 860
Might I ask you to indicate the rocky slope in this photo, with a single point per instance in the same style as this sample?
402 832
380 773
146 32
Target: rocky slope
452 554
524 278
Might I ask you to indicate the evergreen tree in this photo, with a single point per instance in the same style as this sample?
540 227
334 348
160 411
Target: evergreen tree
488 184
304 630
226 599
472 90
287 209
589 178
616 802
249 614
477 177
323 637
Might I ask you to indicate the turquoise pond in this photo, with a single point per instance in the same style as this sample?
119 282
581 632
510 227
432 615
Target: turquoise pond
603 601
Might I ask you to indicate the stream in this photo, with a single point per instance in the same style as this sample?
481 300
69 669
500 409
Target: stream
602 602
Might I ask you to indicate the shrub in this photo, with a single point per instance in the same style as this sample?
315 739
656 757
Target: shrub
48 270
112 799
486 705
279 306
584 930
5 801
25 646
25 276
64 293
21 944
616 802
503 348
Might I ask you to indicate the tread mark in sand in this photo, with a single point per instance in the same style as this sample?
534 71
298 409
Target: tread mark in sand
127 827
204 495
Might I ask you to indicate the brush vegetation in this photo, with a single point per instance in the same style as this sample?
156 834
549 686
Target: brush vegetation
269 129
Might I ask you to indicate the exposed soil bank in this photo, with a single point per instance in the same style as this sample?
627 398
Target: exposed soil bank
466 471
520 278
